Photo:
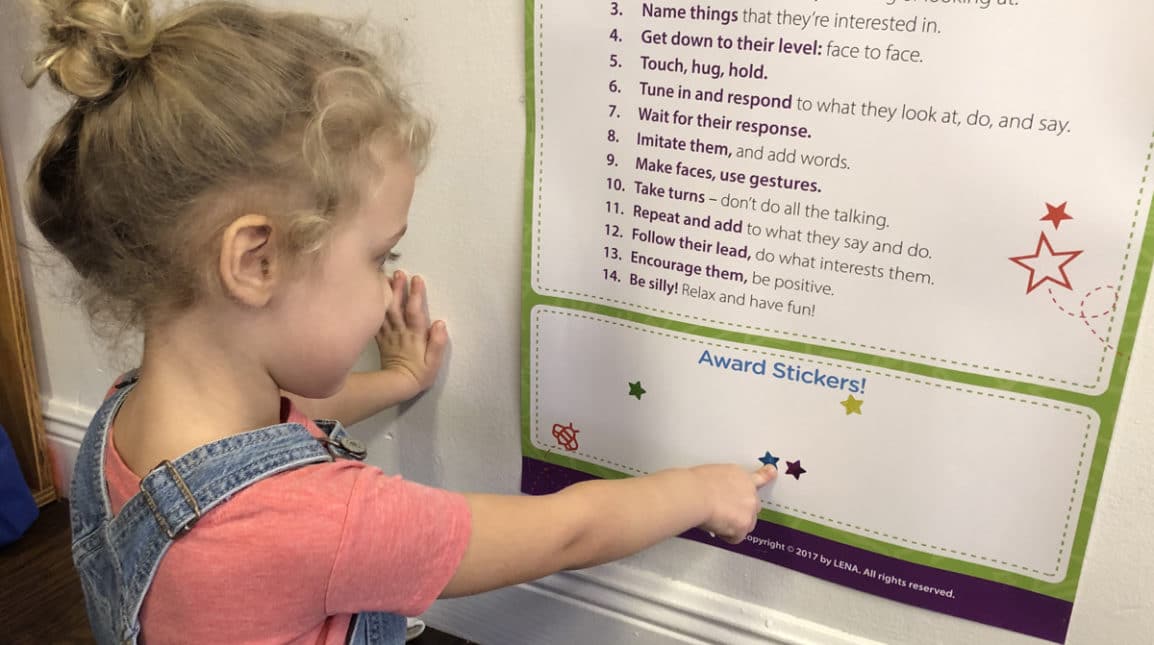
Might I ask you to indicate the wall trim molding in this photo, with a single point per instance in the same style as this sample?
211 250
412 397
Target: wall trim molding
69 421
65 425
615 602
622 604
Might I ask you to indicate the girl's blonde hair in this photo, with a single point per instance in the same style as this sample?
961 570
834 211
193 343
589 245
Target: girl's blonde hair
182 123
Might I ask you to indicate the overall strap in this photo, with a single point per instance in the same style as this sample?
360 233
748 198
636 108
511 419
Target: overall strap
87 483
176 494
378 628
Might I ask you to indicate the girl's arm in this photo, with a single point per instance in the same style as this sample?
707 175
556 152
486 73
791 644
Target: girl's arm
411 352
518 538
363 395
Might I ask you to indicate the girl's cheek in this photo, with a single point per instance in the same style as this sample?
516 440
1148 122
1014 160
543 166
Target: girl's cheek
386 299
386 295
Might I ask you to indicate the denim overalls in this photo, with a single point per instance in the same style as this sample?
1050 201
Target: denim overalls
117 557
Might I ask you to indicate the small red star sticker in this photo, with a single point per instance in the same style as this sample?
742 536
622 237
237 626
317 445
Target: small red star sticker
1056 214
1048 266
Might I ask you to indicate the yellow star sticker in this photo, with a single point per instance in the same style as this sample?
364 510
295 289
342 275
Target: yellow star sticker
852 405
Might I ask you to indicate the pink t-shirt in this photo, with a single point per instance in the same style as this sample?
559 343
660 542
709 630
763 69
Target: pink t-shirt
291 558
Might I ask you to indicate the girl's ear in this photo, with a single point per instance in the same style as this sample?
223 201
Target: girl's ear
248 266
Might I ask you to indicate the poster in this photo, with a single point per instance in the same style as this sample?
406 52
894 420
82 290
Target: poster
898 248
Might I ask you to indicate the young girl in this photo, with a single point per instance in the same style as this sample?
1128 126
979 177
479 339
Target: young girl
231 181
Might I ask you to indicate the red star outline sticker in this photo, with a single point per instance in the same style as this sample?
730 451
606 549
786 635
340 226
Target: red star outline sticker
1057 214
1024 262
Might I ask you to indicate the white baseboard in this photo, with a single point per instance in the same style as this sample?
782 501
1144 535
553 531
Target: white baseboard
619 604
65 425
610 604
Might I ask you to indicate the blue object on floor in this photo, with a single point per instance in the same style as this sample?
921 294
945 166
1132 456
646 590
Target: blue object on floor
17 508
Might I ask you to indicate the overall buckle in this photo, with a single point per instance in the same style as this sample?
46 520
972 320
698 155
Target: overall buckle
184 526
347 446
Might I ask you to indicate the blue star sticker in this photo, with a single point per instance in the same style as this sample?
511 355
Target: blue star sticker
769 459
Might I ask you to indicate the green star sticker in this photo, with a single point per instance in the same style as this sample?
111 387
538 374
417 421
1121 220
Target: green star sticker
636 390
852 405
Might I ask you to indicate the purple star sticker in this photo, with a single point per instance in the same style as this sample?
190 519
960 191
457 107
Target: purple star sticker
794 468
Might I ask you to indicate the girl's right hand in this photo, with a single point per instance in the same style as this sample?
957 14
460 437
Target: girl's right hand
516 538
731 492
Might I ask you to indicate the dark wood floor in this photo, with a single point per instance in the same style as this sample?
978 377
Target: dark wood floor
40 597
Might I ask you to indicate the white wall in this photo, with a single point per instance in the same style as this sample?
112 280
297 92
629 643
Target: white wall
467 57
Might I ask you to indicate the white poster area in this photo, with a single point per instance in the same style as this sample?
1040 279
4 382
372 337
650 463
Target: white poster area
934 213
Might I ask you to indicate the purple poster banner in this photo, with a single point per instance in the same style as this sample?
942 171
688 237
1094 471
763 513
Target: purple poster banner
946 592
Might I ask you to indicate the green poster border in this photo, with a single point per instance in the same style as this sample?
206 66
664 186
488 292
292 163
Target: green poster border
1105 405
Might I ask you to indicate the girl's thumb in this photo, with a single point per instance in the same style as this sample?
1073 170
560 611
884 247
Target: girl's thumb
764 475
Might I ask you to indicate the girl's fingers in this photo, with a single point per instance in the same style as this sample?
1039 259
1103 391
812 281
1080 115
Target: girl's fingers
764 475
417 305
435 348
394 318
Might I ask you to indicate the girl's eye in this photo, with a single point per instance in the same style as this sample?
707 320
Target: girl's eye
389 259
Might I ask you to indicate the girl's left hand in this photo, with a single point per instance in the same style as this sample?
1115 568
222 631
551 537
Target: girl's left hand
408 343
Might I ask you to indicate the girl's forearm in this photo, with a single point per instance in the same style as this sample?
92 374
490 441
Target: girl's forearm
620 518
363 395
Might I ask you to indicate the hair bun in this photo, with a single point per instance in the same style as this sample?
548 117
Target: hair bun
90 43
